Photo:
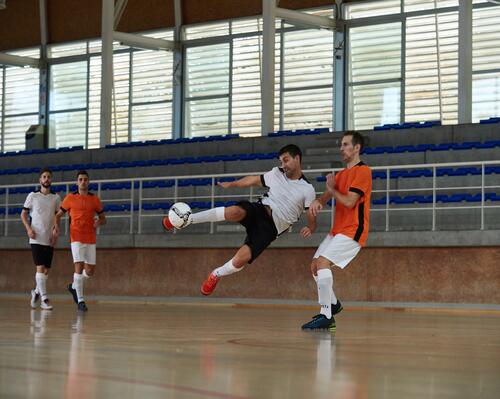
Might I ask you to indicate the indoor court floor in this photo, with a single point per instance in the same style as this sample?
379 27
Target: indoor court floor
196 350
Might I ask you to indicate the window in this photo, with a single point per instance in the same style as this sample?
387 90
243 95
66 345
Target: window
485 63
374 78
20 102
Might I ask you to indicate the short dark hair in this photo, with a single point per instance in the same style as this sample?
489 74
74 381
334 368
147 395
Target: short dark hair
44 170
357 138
292 149
82 172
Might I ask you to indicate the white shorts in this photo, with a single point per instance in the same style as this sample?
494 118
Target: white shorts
83 253
338 249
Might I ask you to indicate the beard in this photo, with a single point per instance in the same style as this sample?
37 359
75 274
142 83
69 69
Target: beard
46 185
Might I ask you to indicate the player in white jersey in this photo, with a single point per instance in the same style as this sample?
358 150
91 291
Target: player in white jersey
288 196
41 206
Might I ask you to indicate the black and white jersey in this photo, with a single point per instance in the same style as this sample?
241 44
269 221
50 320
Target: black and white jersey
287 198
42 209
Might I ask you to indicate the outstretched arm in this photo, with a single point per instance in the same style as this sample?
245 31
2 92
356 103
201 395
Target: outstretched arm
247 181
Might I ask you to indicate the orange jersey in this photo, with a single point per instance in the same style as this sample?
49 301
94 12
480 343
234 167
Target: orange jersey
353 223
82 209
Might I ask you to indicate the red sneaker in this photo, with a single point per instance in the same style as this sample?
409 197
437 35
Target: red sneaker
166 224
209 284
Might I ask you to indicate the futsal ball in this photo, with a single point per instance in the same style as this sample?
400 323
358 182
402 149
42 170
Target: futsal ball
180 215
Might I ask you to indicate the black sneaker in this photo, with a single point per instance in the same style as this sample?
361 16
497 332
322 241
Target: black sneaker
72 291
337 308
82 307
320 322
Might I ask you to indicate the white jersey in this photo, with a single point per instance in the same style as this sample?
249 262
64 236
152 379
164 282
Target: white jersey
287 198
42 208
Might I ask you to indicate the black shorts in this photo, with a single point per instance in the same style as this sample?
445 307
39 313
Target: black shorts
260 227
42 255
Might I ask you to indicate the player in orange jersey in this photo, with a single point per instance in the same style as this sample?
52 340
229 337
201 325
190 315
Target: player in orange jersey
82 206
351 188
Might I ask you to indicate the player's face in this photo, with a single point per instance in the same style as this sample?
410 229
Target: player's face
347 150
289 164
45 179
83 182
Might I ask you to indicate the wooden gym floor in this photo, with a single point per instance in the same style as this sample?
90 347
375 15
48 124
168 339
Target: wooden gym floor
123 350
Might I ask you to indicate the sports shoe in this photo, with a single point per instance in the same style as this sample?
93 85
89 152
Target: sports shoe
337 308
320 322
209 284
82 307
72 291
45 304
167 225
35 297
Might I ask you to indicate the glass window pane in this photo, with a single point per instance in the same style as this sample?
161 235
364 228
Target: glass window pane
417 5
120 98
151 76
372 105
372 8
94 102
207 117
207 70
21 90
67 49
15 131
431 91
304 109
375 52
207 30
67 129
152 122
68 86
308 58
485 96
485 39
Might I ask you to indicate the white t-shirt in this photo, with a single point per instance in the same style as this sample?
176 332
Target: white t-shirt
287 198
42 208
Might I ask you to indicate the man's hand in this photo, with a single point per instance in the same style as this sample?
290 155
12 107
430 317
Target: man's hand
315 208
31 233
330 184
97 223
224 184
306 232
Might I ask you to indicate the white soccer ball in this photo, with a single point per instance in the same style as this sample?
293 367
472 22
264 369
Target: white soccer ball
180 215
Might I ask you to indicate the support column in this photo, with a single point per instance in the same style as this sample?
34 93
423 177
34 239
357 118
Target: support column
465 61
177 95
43 110
338 73
106 71
267 79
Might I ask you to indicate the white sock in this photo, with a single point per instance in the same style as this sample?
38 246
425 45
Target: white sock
211 215
85 275
226 269
325 291
41 283
78 286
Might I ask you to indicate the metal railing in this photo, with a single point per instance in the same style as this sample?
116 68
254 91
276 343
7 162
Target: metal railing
138 201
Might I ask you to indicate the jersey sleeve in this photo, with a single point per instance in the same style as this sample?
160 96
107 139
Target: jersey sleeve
98 206
310 197
28 203
268 178
362 183
66 204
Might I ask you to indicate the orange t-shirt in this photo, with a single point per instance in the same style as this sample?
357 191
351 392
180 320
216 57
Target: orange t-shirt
82 209
353 223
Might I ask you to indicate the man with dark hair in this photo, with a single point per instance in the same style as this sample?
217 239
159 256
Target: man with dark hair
351 188
41 206
289 194
82 206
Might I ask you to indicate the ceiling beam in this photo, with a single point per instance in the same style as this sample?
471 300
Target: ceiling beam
16 60
303 19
